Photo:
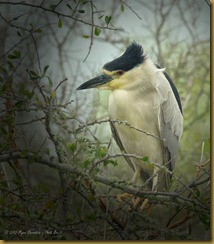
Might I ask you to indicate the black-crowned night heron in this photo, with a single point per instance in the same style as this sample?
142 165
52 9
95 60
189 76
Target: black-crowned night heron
144 96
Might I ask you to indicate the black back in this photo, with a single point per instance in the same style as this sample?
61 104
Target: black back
174 89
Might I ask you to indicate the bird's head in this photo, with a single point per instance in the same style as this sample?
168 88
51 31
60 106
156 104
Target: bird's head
120 72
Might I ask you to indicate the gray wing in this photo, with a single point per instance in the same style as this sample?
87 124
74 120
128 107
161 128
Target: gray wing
119 143
170 132
170 120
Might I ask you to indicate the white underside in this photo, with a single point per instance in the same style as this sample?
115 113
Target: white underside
141 114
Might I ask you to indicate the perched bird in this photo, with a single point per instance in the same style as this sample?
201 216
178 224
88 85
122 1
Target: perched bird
145 100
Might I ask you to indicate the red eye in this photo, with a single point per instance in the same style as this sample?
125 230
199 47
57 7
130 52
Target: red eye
120 72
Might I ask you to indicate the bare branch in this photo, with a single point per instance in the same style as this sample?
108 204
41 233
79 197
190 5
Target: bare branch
131 9
92 31
58 14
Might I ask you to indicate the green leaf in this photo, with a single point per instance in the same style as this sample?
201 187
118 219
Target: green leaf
19 104
18 33
15 55
122 7
25 91
101 152
86 163
206 220
69 6
107 19
90 197
39 30
81 11
197 192
100 17
3 89
97 31
3 70
47 151
3 131
113 162
71 147
91 217
2 201
23 154
53 94
63 238
106 162
10 65
34 75
45 188
83 1
8 120
45 69
50 81
53 6
17 181
145 159
60 23
85 36
31 25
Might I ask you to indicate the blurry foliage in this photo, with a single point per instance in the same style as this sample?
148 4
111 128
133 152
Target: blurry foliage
55 162
194 87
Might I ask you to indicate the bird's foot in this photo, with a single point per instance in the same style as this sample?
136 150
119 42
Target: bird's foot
123 196
135 202
145 204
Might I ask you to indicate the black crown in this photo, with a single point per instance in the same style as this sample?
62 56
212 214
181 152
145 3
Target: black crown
132 57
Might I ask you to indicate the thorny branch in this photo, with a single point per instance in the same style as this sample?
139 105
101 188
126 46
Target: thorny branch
65 166
119 122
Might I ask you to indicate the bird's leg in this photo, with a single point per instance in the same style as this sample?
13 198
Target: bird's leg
144 205
123 196
138 200
143 201
136 175
154 187
155 179
135 201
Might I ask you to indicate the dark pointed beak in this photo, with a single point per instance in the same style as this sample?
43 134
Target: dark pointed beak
95 82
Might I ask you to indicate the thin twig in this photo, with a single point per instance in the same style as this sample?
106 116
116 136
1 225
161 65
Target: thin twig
31 121
60 83
37 52
119 122
57 13
92 31
131 9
